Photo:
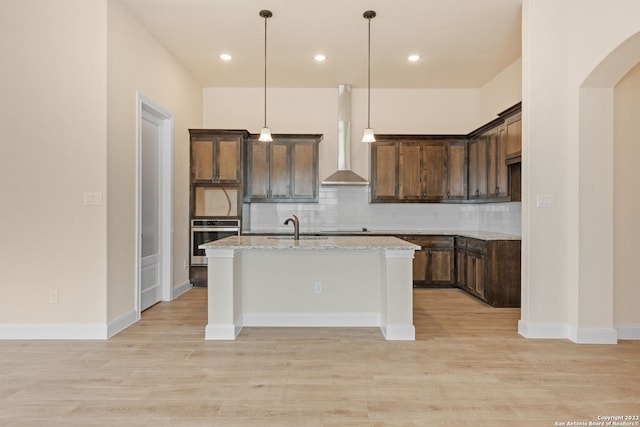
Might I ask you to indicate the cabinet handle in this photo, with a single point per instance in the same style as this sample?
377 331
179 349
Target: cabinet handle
448 194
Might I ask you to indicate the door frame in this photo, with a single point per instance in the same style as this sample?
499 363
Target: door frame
165 237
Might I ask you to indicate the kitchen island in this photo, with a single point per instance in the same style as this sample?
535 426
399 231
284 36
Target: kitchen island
317 281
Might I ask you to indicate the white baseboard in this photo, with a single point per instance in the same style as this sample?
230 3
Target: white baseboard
593 335
628 331
181 289
221 332
563 331
399 332
543 330
53 331
311 319
122 323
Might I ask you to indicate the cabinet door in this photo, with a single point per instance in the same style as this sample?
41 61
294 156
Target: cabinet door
502 172
440 266
461 269
420 267
410 170
457 170
492 163
258 171
473 169
279 171
202 160
304 171
433 171
478 167
479 280
482 167
227 160
471 272
514 135
475 274
384 165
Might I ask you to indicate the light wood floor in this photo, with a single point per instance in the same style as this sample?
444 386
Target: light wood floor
468 367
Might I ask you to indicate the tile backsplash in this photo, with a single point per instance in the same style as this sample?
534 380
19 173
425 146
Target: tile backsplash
348 208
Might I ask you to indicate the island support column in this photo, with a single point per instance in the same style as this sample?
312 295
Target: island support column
396 314
224 294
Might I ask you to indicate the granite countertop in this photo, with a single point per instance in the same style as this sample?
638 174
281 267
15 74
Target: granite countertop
311 243
481 235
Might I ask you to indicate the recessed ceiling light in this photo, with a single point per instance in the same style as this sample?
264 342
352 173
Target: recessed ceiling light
413 58
320 57
225 57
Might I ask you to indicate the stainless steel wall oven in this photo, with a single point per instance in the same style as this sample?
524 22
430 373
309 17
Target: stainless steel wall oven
208 230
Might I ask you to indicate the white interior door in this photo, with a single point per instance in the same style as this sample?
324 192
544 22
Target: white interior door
150 211
154 204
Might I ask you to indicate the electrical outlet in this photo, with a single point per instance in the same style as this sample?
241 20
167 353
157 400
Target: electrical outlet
53 297
317 287
186 264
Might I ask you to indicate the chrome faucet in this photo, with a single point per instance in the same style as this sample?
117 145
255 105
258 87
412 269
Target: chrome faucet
296 226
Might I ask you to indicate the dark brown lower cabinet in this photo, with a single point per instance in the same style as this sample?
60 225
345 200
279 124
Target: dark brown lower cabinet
489 270
433 264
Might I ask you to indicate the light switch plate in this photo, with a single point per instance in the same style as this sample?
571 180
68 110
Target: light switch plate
92 198
545 200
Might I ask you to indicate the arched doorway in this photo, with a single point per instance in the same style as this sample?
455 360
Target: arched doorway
594 295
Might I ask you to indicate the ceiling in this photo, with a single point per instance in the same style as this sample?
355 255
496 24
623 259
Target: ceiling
462 43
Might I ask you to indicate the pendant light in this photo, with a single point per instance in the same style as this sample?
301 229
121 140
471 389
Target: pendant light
265 133
368 132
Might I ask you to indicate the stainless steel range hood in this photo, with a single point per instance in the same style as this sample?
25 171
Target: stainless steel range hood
344 175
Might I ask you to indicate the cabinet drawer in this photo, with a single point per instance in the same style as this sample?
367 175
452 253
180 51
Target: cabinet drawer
430 241
478 246
439 241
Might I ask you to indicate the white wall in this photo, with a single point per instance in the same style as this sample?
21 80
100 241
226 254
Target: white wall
314 110
501 92
70 73
137 62
570 66
627 198
53 149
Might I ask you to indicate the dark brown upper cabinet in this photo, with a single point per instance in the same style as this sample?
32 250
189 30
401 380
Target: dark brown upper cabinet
284 170
490 157
216 156
385 164
513 137
418 168
480 167
488 174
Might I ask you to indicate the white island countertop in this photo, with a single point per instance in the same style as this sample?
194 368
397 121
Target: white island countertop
366 243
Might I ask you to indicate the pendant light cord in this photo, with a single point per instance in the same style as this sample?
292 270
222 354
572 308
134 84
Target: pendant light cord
265 71
369 78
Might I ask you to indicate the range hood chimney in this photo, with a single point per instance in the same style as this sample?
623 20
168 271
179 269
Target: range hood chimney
344 175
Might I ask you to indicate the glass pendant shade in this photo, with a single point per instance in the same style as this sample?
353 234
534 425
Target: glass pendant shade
265 135
368 135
